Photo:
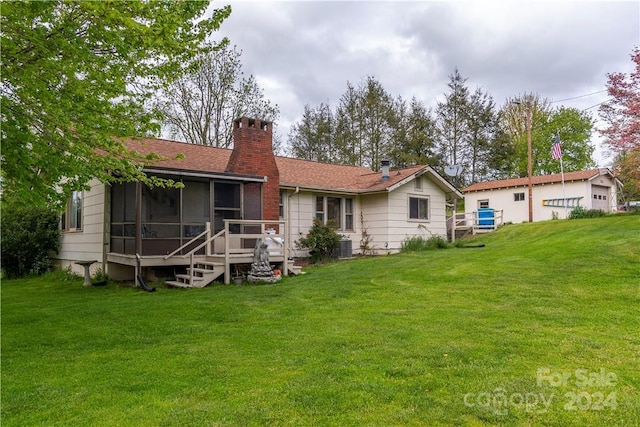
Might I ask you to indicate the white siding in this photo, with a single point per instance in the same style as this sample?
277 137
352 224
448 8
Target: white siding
375 218
518 211
300 211
384 216
87 244
400 226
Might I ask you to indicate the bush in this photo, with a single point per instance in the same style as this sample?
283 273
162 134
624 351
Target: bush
321 240
581 212
30 236
419 243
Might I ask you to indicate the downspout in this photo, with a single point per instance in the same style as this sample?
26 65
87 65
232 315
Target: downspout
106 227
289 215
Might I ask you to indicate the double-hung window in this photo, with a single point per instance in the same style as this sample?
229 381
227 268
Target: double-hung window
72 217
419 208
338 210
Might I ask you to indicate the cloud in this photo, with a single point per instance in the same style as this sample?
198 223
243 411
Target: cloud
306 52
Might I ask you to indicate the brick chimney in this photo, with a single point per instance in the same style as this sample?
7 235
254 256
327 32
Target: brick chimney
253 155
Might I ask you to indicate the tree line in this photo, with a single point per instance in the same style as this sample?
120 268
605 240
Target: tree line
465 129
79 77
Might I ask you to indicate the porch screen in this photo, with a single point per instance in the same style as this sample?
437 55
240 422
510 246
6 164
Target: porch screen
160 220
226 203
196 208
123 218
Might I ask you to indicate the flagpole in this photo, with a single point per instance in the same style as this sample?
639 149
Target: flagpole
564 194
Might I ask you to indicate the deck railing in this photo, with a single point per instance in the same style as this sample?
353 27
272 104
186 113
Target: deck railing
470 221
239 243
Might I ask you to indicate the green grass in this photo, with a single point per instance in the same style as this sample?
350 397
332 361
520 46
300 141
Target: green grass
398 340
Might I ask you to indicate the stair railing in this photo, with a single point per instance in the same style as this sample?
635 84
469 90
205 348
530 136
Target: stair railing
207 231
191 253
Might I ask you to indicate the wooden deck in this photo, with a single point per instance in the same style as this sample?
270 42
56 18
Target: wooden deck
234 245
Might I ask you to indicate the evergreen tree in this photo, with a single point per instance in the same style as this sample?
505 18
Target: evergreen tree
452 122
313 137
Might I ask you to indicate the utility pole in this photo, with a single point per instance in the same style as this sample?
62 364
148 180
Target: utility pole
529 163
528 119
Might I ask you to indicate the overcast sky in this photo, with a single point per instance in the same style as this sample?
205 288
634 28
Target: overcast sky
305 52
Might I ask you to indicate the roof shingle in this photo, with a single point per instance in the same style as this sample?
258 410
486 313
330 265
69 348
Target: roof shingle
535 180
293 172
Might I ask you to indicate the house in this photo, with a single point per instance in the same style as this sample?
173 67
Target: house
231 197
590 189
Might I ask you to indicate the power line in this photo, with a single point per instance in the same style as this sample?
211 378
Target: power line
579 96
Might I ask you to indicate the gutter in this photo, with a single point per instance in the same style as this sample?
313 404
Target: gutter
224 176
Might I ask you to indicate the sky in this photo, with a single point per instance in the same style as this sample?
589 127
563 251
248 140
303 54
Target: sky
305 52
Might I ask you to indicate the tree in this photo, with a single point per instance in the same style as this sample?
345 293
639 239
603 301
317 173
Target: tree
76 77
349 133
414 135
451 118
201 105
622 115
481 130
30 236
312 138
501 156
571 125
363 117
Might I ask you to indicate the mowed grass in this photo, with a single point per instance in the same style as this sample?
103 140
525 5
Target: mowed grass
539 327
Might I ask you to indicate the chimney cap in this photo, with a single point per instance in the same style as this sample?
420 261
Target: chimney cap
384 166
242 122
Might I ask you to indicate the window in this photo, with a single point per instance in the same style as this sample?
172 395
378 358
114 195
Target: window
320 208
419 208
418 183
339 210
334 211
483 203
281 205
518 197
72 217
348 214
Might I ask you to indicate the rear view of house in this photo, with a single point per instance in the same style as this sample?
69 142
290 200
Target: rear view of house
228 198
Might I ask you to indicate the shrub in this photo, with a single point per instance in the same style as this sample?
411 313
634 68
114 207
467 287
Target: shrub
29 237
419 243
321 240
581 212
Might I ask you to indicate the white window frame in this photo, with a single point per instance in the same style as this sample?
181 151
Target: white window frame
321 211
518 197
419 197
281 206
72 215
418 183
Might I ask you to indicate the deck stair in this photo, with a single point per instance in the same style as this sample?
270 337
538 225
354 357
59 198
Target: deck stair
204 272
294 269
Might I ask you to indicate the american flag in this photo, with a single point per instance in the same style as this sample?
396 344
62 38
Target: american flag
556 150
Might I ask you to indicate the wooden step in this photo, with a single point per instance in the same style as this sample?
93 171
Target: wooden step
295 269
208 265
176 284
185 278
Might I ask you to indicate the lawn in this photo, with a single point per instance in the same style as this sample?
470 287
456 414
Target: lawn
539 327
